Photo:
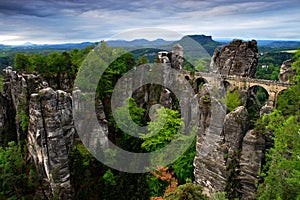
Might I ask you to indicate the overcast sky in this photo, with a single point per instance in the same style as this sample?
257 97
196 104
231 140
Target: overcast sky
62 21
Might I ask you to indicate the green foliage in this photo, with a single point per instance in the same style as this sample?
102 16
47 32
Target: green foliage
39 63
200 86
206 99
188 66
281 174
183 166
166 125
273 60
121 63
199 65
282 171
202 65
296 65
158 182
101 182
90 178
233 186
82 165
14 179
262 95
137 115
22 62
109 178
24 120
288 101
142 60
232 100
162 130
187 191
54 66
218 196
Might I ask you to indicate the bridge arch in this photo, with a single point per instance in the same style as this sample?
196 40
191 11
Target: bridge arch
261 93
198 83
226 84
239 82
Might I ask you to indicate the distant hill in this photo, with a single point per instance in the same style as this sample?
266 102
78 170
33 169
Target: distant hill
30 46
209 45
138 43
285 44
188 42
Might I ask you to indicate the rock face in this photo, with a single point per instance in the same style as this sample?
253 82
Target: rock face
174 58
43 117
286 71
3 119
251 158
237 58
217 146
177 60
14 98
50 138
236 125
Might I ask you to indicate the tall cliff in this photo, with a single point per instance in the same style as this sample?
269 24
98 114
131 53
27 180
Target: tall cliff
237 153
32 111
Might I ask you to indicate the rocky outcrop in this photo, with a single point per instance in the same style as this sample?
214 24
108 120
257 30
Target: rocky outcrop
61 81
174 58
252 154
3 120
287 73
217 145
209 163
50 138
177 60
252 157
31 110
236 125
237 58
15 91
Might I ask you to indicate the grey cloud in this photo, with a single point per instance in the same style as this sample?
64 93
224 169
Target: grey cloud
66 20
44 8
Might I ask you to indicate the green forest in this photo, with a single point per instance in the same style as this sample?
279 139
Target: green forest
279 177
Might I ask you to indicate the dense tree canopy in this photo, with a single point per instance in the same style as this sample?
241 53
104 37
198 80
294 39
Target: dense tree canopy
281 174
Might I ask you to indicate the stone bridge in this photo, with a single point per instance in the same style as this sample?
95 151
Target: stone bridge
273 88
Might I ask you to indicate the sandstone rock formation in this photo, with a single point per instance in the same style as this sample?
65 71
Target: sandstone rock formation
237 58
16 89
217 144
3 114
252 154
31 110
177 60
236 125
50 139
174 58
286 71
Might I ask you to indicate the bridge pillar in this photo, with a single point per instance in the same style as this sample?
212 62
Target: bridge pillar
272 99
